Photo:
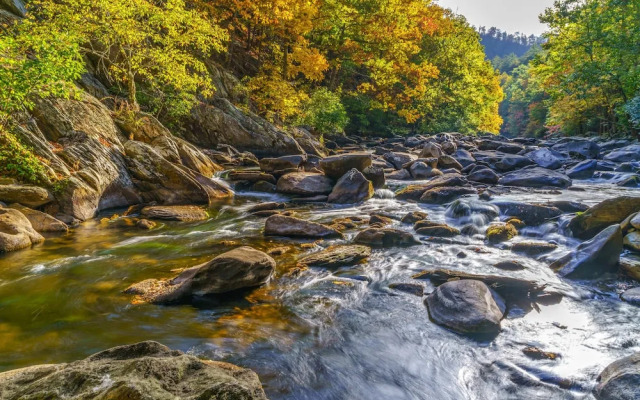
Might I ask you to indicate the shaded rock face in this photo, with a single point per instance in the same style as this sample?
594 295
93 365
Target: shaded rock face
583 170
30 196
240 268
602 215
593 258
304 183
375 175
223 123
175 213
352 188
385 237
16 231
466 306
142 371
483 175
535 177
337 256
281 225
336 166
620 380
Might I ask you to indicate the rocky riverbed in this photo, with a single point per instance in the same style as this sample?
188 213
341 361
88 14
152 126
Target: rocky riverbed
443 266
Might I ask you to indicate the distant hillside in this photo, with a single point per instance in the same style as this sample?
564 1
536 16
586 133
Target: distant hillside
499 44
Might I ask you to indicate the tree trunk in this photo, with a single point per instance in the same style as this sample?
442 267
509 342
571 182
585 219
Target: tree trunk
133 101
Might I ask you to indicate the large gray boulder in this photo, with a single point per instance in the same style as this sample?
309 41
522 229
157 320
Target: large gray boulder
580 148
535 177
593 258
352 188
466 306
583 170
244 267
626 154
16 231
281 225
620 380
141 371
530 214
336 166
595 219
305 184
546 158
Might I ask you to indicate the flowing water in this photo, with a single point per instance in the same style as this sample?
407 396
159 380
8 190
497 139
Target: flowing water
318 334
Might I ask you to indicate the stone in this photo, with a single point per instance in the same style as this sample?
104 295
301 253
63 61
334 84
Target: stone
414 192
568 206
530 214
398 159
498 233
533 248
266 206
385 237
465 208
595 219
251 176
145 224
632 241
464 157
466 306
535 353
375 175
583 170
175 213
484 175
446 161
411 288
420 171
631 296
592 258
630 266
304 183
281 225
337 256
400 175
626 154
431 150
284 163
16 231
352 188
535 177
338 165
620 380
413 217
27 195
579 148
546 158
511 162
240 268
441 230
41 222
510 265
441 195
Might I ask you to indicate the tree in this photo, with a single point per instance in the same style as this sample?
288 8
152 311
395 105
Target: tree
153 41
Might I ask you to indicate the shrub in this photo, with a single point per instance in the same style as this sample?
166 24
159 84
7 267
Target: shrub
324 112
17 161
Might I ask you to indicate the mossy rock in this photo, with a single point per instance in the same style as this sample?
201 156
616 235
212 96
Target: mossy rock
498 233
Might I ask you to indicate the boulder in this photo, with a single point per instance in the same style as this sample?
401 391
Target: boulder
583 170
441 195
578 148
465 208
375 175
419 170
535 177
510 162
498 233
438 230
631 296
175 213
546 158
141 371
280 225
484 175
400 175
244 267
281 164
16 231
625 154
30 196
385 237
352 188
464 157
446 161
530 214
533 248
338 165
611 211
41 222
632 241
398 159
620 380
593 258
413 217
568 206
251 176
337 256
304 183
414 192
431 150
466 306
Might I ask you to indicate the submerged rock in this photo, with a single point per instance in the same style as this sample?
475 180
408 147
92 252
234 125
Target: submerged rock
620 380
631 296
281 225
141 371
175 213
533 248
385 237
304 183
352 188
337 256
602 215
466 306
593 258
16 231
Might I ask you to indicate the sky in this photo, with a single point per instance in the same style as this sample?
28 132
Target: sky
507 15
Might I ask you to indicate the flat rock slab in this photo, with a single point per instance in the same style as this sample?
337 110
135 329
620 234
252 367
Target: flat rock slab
305 184
336 166
30 196
536 178
385 237
175 213
337 256
281 225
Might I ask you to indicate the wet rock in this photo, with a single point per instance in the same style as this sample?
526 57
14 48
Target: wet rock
630 267
16 231
510 162
41 222
145 370
175 213
568 206
263 186
593 258
420 170
583 170
535 177
279 164
578 148
385 237
304 183
441 195
280 225
533 248
414 192
352 188
30 196
266 206
510 148
632 181
251 176
375 175
240 268
631 296
632 241
439 230
530 214
398 159
465 306
145 224
337 256
464 157
413 217
483 175
511 265
431 150
498 233
446 161
626 154
465 208
379 221
546 158
338 165
612 211
619 380
400 175
535 353
411 288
